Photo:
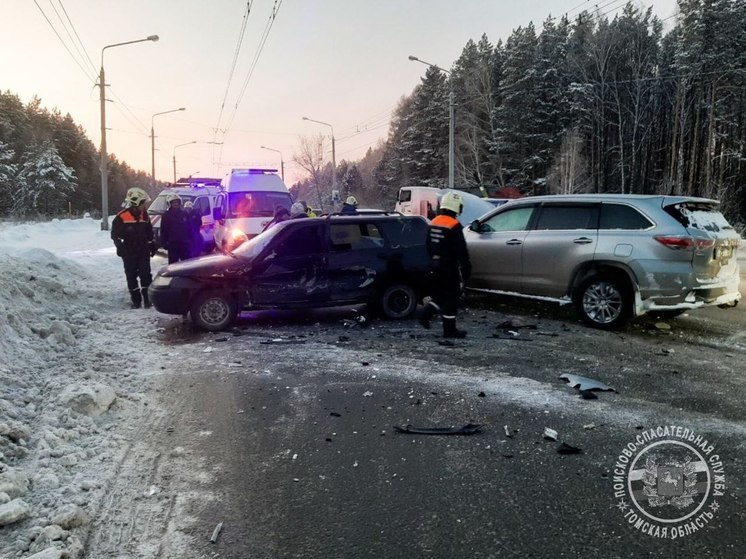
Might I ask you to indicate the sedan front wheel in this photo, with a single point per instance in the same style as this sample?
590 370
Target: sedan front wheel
213 311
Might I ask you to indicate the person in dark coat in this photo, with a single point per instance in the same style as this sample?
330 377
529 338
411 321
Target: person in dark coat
195 220
132 234
451 265
350 205
281 214
177 230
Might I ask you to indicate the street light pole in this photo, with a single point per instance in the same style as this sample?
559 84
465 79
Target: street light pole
178 146
152 140
334 157
104 156
451 122
282 162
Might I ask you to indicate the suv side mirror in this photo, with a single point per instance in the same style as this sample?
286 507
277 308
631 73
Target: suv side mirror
217 215
474 226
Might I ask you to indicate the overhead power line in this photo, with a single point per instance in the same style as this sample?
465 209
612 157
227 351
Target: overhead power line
79 49
77 62
239 42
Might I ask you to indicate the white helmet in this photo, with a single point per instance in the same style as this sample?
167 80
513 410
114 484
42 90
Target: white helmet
297 209
452 201
136 196
188 204
172 197
351 200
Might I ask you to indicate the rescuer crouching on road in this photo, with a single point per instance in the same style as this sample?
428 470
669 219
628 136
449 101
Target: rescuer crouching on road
451 265
132 234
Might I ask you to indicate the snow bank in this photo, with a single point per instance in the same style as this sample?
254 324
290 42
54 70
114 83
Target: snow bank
75 364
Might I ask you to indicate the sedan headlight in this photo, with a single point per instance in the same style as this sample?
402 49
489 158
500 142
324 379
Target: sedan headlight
162 281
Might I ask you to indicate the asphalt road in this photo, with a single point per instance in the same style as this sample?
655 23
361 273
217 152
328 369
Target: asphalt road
283 430
298 457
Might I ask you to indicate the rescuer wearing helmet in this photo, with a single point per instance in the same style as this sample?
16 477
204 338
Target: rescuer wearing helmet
132 234
451 265
176 230
195 223
350 205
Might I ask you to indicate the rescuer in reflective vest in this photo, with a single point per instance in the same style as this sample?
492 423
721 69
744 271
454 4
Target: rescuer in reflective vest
451 265
132 234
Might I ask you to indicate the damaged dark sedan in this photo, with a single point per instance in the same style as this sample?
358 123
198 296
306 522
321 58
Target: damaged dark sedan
378 259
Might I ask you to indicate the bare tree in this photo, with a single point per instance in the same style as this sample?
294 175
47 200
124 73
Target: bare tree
310 157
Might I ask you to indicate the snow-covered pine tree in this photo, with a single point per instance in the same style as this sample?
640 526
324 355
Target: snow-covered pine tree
43 183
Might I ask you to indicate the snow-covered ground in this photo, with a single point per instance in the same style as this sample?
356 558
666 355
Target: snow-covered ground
75 362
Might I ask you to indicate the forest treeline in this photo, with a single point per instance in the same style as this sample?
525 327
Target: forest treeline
589 105
50 168
596 104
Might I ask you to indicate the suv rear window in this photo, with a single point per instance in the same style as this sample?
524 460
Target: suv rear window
698 215
621 216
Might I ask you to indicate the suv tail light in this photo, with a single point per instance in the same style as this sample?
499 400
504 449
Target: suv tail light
676 242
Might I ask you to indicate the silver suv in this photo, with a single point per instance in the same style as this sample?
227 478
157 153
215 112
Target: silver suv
614 256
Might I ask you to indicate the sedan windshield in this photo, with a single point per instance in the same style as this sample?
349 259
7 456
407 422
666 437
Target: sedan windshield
253 247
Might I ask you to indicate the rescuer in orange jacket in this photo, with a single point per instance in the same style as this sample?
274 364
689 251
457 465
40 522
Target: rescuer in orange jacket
132 234
451 265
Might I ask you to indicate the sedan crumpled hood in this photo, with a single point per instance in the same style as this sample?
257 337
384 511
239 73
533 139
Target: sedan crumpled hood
215 265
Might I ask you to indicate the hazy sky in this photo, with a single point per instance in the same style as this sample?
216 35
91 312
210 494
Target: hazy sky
343 62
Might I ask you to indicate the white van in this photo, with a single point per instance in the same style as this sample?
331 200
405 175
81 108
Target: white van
417 200
247 204
425 201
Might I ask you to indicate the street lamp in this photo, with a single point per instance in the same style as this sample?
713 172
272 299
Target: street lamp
189 143
282 163
152 139
178 146
334 157
104 156
451 121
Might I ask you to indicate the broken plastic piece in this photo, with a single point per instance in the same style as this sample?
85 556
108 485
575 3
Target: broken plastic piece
216 532
282 341
468 429
584 383
550 434
507 432
515 323
565 448
509 336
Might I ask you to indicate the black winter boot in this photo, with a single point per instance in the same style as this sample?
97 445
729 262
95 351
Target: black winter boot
136 298
427 314
145 300
450 330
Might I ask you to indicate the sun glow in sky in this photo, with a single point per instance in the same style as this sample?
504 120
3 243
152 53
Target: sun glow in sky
343 62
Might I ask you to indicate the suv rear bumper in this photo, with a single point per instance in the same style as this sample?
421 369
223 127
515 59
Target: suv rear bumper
721 294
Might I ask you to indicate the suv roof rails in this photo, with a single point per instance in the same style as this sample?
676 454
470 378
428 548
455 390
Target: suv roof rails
363 213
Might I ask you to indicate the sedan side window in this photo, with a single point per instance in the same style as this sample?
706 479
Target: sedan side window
512 220
298 241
